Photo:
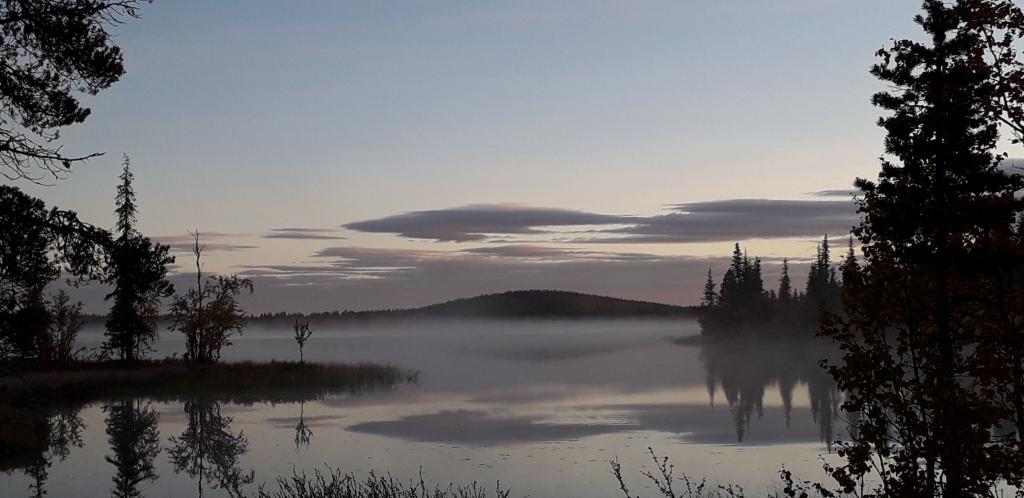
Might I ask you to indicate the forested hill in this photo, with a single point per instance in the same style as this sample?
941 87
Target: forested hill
524 304
549 304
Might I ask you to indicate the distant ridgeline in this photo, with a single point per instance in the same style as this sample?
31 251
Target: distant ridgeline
524 304
741 306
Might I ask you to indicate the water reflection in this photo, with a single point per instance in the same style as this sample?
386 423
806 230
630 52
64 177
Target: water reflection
303 434
744 371
134 444
537 408
209 450
32 439
36 434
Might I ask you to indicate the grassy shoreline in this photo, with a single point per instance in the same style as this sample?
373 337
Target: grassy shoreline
173 379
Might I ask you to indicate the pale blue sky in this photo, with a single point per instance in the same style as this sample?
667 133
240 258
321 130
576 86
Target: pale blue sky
242 117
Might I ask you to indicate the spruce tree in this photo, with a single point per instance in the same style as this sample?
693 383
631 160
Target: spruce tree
785 286
126 210
710 297
138 273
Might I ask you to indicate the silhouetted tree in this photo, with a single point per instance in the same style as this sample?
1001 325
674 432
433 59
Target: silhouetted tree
741 300
850 266
823 292
785 293
36 246
134 443
209 314
710 297
52 49
138 273
932 325
302 334
66 321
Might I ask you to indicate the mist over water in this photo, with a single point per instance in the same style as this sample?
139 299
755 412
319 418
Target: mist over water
539 405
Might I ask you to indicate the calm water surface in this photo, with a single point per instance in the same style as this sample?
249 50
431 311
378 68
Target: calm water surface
540 406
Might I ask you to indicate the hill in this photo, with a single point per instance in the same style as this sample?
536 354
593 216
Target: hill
522 304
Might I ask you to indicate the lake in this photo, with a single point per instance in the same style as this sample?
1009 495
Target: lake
540 406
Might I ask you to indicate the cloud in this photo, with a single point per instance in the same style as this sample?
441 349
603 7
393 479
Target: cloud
713 221
303 234
737 220
481 221
185 243
479 428
689 422
549 253
841 192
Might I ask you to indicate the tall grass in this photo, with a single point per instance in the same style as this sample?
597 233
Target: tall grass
335 484
669 486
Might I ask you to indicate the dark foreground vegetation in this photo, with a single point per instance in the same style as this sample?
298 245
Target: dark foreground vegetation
335 484
930 319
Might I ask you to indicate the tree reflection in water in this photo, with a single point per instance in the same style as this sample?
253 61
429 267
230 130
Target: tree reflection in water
209 450
134 443
303 434
32 438
745 370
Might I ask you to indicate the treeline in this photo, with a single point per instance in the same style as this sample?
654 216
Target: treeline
40 245
742 306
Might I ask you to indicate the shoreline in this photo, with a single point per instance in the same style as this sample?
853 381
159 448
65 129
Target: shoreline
177 379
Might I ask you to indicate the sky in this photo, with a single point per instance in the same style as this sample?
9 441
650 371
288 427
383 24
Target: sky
359 155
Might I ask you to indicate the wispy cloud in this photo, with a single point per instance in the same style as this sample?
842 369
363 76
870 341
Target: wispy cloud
713 221
482 221
221 242
736 219
840 192
304 234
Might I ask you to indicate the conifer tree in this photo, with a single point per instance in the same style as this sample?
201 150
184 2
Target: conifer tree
125 209
710 297
138 272
756 281
785 293
850 265
931 332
